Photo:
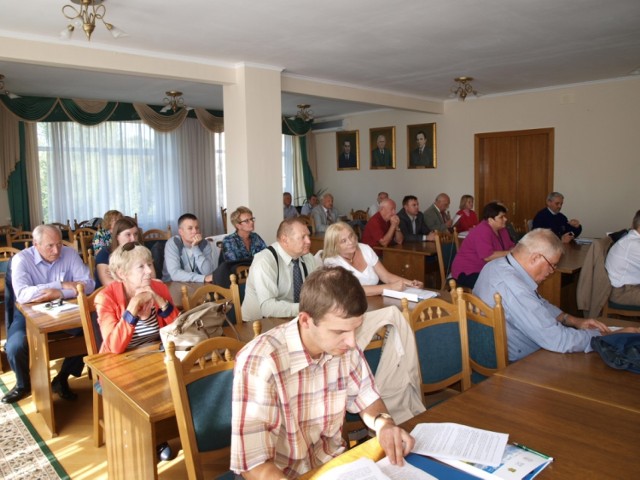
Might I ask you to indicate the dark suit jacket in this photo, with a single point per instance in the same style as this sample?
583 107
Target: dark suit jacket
381 160
347 162
407 230
424 160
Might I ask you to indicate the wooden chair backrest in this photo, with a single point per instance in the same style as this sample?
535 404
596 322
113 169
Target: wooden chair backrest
83 237
22 238
6 230
7 252
242 273
359 215
442 351
446 249
216 293
203 361
87 306
309 222
223 214
155 234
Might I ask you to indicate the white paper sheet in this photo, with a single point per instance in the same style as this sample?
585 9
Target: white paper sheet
410 293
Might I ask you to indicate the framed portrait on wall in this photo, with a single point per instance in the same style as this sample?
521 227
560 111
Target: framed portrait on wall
382 145
421 146
347 153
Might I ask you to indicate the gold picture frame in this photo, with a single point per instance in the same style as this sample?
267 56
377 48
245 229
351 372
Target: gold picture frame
425 157
385 157
347 150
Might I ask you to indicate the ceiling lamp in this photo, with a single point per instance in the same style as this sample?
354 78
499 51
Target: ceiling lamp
462 88
6 92
304 113
85 17
173 101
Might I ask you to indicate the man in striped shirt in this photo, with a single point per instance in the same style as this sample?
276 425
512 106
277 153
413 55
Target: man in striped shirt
293 384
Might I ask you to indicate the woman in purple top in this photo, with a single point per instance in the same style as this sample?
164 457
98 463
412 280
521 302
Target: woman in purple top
487 241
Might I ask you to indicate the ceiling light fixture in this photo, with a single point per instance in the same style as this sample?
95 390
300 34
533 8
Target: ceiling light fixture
6 92
462 88
304 113
85 17
173 101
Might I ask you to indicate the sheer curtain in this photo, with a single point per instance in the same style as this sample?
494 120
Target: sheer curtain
293 176
85 171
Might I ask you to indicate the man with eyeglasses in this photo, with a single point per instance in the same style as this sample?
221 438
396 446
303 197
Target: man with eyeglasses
46 272
187 256
532 322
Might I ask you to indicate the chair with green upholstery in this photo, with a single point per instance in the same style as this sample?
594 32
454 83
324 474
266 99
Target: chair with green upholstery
201 388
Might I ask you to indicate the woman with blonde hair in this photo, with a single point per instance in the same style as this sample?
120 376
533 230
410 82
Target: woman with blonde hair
468 218
341 248
102 238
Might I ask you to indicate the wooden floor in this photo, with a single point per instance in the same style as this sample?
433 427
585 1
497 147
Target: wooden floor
73 447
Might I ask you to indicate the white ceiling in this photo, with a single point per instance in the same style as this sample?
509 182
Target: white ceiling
408 47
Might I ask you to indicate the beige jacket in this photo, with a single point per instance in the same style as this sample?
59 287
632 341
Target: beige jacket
594 287
398 374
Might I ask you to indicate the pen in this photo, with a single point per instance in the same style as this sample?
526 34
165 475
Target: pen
527 449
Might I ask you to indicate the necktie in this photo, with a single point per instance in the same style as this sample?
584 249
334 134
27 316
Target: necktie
297 280
413 225
329 217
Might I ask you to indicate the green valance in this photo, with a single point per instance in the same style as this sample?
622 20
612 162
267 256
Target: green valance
296 126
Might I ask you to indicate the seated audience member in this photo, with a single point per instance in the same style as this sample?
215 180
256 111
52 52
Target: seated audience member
486 242
341 249
45 272
324 214
373 209
468 218
187 256
289 211
125 230
383 228
623 266
294 382
102 238
244 242
277 274
412 224
437 215
309 205
532 322
551 218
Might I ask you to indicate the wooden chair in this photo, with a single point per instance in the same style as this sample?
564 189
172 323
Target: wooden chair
223 214
216 294
65 229
528 225
487 331
359 215
309 222
93 341
201 388
91 262
150 237
5 231
440 328
83 237
20 240
446 249
242 273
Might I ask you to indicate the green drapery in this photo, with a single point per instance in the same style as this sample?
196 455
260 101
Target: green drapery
17 189
300 128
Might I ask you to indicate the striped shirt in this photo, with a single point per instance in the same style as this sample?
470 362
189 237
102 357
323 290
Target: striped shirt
146 331
289 408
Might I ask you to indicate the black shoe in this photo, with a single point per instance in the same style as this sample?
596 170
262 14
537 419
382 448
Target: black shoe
16 394
164 452
61 387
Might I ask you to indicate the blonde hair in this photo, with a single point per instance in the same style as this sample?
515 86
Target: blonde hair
121 260
463 201
235 216
331 246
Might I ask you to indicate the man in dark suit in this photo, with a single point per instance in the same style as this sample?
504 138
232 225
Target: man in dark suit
346 158
412 224
422 156
381 156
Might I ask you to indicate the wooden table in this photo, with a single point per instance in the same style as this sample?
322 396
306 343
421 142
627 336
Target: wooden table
42 349
560 287
586 439
409 260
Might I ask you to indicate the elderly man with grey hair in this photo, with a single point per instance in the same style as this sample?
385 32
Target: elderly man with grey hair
532 322
324 214
46 272
551 218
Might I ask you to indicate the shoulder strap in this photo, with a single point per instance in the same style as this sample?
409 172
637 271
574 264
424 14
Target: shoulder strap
275 255
178 241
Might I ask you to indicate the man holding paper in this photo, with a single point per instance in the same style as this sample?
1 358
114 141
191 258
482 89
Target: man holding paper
293 384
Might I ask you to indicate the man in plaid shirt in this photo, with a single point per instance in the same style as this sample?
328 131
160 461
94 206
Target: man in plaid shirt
293 384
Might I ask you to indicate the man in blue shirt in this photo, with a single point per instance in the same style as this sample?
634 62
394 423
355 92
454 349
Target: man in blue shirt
45 272
532 322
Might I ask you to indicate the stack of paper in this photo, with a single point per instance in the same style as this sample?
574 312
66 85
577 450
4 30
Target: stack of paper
410 293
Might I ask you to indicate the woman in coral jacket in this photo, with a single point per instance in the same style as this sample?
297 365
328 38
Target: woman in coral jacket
132 309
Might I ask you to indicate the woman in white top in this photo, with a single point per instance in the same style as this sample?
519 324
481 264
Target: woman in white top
341 248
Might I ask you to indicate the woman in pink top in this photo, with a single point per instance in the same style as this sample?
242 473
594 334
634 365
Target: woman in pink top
487 241
468 218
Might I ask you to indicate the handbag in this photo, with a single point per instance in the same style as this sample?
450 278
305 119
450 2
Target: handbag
198 324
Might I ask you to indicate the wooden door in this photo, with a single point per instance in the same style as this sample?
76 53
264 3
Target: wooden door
516 168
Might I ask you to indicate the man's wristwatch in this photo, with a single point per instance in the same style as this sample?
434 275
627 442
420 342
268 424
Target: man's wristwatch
386 416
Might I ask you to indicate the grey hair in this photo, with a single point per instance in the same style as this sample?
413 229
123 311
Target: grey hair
40 230
540 240
553 195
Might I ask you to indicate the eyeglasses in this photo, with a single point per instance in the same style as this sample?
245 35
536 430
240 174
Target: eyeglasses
247 220
553 267
54 303
127 247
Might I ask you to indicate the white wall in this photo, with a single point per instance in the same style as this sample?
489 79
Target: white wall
597 145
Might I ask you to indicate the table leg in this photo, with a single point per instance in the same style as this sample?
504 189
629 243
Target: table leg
40 376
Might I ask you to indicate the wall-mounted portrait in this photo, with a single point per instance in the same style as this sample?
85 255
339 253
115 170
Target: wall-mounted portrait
347 150
421 146
382 145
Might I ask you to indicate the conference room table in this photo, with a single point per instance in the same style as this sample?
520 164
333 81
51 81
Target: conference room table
409 260
560 287
47 341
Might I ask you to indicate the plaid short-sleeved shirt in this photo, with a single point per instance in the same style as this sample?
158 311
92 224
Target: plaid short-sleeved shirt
289 408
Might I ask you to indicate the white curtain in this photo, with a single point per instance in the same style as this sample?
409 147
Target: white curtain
128 166
293 179
298 175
